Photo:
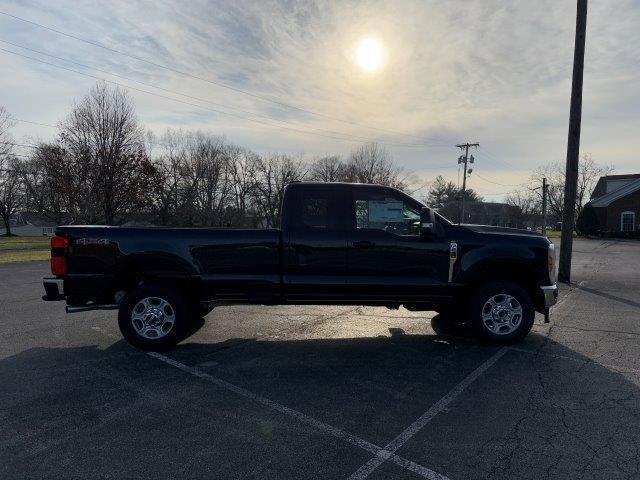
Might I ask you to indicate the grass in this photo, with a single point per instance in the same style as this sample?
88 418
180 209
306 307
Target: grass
24 249
557 234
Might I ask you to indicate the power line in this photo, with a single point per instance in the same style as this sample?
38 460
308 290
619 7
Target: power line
494 160
360 138
196 77
201 106
19 144
497 183
162 96
33 123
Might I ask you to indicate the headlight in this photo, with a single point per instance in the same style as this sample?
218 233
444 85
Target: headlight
551 262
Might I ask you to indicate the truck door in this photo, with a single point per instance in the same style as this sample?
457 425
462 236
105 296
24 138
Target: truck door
315 243
387 257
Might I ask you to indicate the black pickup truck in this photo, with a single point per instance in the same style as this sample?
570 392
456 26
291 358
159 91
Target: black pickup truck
340 244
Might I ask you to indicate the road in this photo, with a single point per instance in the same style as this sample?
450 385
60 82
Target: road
327 392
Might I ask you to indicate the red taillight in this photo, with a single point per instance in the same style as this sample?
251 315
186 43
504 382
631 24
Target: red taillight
59 248
59 242
58 266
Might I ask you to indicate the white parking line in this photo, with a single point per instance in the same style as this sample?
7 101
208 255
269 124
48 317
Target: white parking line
365 470
379 452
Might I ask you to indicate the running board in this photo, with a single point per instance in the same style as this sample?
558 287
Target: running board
87 308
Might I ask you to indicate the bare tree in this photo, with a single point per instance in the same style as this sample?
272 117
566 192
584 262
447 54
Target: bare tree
106 145
48 181
11 192
588 174
209 164
372 163
6 140
170 179
243 166
528 203
273 173
328 169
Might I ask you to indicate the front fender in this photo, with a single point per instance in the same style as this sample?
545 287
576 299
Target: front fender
521 259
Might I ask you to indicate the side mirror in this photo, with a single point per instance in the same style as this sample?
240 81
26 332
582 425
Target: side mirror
427 222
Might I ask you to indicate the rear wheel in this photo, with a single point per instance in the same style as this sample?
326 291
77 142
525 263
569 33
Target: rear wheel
502 312
153 317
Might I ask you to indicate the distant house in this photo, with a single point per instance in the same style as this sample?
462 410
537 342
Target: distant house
493 213
31 224
486 213
616 200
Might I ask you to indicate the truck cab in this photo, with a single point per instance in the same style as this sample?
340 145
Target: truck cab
361 244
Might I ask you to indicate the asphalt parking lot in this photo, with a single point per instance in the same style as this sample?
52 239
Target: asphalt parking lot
327 392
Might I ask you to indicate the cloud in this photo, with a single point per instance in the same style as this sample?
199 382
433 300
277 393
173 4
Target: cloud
497 72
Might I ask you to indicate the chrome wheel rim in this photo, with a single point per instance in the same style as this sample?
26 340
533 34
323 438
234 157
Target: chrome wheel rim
153 317
502 314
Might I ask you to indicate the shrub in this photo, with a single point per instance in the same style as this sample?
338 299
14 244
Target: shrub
587 223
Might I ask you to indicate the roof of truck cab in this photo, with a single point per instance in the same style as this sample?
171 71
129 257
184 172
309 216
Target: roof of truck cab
341 184
350 185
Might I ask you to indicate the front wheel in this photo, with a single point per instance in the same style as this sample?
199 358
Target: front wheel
502 312
153 317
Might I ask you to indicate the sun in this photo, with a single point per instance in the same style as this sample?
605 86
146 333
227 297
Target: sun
369 54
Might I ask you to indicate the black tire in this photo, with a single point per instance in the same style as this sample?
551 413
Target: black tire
507 327
451 313
177 311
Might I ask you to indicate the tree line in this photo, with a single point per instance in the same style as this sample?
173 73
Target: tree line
445 195
104 168
528 197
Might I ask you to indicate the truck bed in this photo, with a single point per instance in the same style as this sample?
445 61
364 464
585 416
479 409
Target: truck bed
217 256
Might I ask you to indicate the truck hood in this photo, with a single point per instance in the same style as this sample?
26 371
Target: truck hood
501 230
499 234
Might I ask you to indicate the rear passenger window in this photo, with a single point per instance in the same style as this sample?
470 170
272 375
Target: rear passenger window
315 212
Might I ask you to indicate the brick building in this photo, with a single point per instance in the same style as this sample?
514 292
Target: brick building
616 200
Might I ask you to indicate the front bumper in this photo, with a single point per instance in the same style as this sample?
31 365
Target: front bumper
54 289
550 295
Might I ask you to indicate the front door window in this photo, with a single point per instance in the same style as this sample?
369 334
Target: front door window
387 212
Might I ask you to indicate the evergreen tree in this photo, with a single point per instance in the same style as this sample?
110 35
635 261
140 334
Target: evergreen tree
587 223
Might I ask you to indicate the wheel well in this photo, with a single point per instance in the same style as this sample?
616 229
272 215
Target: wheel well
510 272
134 274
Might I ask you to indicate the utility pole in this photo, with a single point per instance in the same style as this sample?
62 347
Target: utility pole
573 146
465 159
544 206
545 186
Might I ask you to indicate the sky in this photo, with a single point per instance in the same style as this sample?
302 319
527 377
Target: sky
284 76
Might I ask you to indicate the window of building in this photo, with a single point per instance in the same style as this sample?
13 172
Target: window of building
388 212
627 221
